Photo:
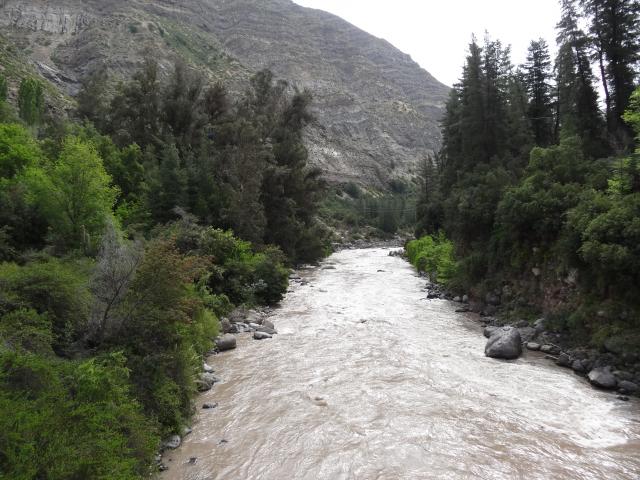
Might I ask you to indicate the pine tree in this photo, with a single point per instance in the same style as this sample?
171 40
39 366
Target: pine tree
615 27
538 82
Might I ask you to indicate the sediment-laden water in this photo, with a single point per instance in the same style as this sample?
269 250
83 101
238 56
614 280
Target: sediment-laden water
369 380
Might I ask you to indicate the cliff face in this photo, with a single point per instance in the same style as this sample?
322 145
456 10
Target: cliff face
377 111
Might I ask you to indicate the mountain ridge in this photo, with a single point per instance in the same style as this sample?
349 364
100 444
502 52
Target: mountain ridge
377 110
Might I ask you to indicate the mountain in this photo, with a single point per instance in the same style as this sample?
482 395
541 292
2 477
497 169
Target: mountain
377 112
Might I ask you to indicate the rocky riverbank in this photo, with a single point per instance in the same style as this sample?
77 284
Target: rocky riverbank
607 369
254 322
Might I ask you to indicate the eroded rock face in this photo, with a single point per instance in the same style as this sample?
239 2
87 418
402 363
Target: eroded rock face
377 112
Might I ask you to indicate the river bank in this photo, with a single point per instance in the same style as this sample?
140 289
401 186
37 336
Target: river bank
367 379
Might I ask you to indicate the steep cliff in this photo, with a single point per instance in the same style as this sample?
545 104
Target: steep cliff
377 111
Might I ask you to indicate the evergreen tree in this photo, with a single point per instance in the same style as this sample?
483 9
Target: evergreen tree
4 88
615 27
538 82
92 104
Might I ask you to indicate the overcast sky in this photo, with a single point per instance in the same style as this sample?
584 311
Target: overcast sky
436 33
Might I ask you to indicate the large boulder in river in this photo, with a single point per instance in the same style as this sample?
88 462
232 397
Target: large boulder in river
226 342
490 330
504 343
602 378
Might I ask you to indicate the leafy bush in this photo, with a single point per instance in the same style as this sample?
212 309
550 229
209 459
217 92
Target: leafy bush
434 256
63 419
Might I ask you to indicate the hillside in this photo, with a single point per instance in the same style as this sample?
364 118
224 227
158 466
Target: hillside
377 112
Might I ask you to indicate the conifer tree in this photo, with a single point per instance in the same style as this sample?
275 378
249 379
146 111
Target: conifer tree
31 101
538 82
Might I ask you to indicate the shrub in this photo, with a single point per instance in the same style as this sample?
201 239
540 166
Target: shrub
434 256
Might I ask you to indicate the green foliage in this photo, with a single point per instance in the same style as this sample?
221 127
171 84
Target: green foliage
18 150
31 101
61 419
75 194
434 256
56 290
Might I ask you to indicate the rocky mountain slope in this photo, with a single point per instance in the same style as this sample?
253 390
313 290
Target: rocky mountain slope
377 111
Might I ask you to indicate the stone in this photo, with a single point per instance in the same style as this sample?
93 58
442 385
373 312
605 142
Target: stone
207 368
209 405
578 366
504 343
548 348
226 342
564 360
536 271
626 386
172 442
268 324
465 298
521 324
206 381
226 326
527 333
602 378
457 299
254 326
260 335
533 346
489 330
270 331
539 325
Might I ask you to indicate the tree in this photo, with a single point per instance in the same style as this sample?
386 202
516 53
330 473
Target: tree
538 83
31 101
75 194
615 27
18 150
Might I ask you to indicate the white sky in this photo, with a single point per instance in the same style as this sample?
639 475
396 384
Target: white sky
436 33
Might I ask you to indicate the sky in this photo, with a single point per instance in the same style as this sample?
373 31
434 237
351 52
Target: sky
436 33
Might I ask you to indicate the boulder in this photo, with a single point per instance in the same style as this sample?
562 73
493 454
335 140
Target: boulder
504 343
254 326
548 348
206 381
226 342
457 299
578 366
269 330
209 405
465 298
172 442
626 386
527 333
260 335
268 323
539 325
489 330
207 368
602 378
533 346
564 360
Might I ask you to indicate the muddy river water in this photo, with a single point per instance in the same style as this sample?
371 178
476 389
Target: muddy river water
367 379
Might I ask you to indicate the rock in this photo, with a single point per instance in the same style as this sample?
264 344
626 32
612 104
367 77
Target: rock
536 271
623 375
254 326
207 368
226 326
457 299
602 378
521 324
268 323
539 325
578 366
270 331
626 386
465 298
226 342
615 345
432 295
489 330
504 343
492 299
206 381
548 348
209 405
162 467
462 310
623 398
527 333
260 335
172 442
186 431
564 360
533 346
192 460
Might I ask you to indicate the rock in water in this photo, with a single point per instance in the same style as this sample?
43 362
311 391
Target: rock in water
602 378
226 342
172 442
489 330
504 343
260 335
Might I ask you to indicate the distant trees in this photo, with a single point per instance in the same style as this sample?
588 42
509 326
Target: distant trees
31 101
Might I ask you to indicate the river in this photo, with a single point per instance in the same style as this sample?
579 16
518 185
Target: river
367 379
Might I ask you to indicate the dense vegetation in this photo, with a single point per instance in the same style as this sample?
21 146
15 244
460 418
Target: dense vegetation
124 235
537 188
